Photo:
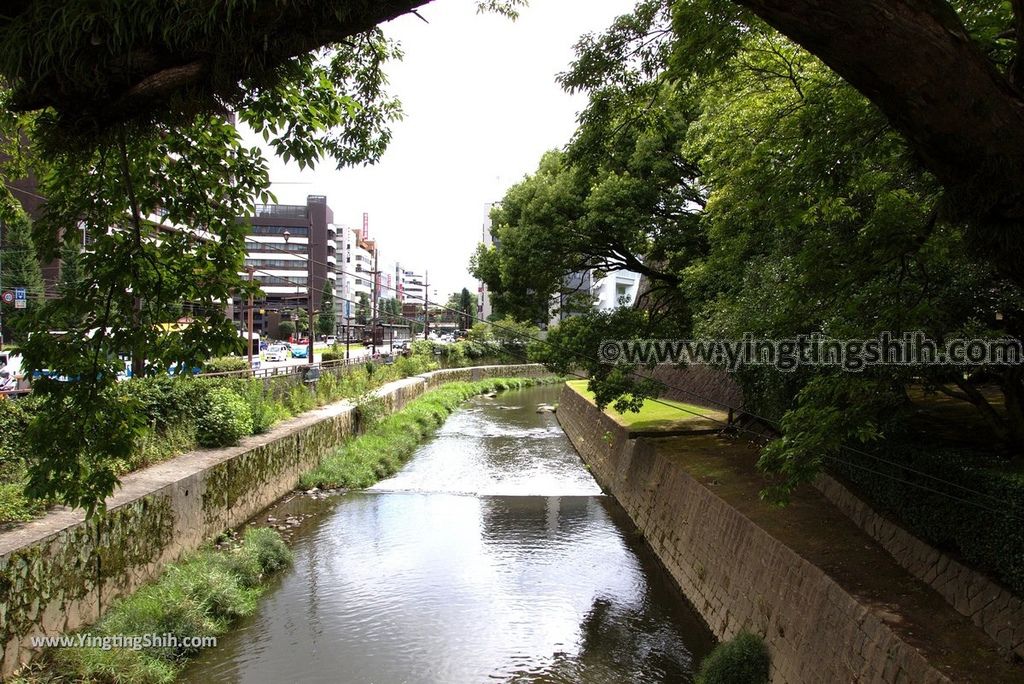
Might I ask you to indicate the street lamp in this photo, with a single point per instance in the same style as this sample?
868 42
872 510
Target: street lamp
309 295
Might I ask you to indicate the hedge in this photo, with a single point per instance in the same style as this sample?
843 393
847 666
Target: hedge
987 530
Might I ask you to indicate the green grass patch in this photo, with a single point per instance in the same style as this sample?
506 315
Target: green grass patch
201 596
389 441
655 415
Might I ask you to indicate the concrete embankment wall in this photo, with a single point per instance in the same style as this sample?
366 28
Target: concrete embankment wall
61 572
737 575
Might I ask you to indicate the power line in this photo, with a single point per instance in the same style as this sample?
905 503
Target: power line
767 421
425 299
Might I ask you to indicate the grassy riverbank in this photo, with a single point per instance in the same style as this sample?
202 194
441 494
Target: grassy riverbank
388 442
200 596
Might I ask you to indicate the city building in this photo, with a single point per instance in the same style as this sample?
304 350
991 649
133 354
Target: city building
617 288
484 309
286 246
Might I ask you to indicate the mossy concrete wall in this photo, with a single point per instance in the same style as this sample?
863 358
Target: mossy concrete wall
61 572
736 574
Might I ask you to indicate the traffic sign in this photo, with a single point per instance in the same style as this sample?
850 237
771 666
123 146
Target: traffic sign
19 303
7 296
19 294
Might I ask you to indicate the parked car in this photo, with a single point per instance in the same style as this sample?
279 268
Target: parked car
276 352
330 340
300 351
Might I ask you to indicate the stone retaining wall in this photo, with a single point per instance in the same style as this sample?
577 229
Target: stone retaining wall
736 574
60 572
993 608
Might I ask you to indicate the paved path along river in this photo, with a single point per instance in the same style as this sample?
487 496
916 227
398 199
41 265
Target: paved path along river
493 556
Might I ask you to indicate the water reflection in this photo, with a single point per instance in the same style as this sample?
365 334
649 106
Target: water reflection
410 583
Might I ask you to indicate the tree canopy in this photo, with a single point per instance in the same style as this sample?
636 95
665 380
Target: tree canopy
806 210
753 157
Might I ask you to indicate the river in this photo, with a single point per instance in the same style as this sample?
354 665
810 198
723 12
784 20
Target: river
492 556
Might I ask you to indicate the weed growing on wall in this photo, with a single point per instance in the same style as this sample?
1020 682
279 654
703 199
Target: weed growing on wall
201 596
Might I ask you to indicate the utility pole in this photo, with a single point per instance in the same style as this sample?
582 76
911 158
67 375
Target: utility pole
373 308
250 270
309 293
426 303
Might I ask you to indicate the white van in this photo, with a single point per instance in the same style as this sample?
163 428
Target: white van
276 352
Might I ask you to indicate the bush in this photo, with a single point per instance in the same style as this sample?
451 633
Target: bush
226 364
226 419
985 530
263 410
744 659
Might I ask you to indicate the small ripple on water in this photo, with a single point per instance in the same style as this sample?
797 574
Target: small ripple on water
488 558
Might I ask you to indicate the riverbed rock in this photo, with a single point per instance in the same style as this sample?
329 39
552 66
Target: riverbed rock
545 408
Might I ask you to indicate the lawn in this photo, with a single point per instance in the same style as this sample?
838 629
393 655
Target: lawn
663 414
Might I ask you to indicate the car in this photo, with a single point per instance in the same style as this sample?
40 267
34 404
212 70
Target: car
300 351
330 340
302 343
276 352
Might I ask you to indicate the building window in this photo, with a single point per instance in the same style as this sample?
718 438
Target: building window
298 231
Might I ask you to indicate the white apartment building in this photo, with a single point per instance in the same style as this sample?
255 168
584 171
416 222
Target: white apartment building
618 288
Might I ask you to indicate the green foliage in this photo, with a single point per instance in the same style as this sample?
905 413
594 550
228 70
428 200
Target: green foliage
285 329
263 411
198 597
225 419
326 316
226 364
744 659
20 269
362 308
984 529
388 441
15 506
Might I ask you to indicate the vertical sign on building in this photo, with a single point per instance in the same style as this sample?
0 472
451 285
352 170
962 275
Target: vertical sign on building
366 225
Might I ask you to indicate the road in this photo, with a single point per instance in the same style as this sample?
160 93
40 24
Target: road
356 353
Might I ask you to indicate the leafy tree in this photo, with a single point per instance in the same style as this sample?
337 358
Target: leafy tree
362 308
811 215
285 329
326 317
301 318
467 307
71 273
389 310
20 267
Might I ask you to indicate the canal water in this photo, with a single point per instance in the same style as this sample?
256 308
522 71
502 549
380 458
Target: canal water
492 557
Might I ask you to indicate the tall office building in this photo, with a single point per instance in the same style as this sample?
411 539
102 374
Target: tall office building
287 244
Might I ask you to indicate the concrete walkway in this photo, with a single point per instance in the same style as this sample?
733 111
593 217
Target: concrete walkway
816 530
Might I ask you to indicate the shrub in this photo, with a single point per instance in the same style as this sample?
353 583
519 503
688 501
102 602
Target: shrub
263 410
985 529
225 364
267 548
744 659
15 506
226 419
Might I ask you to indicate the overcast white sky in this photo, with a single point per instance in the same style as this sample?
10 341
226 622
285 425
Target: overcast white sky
481 107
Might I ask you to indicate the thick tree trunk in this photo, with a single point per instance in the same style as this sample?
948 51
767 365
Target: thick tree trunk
916 62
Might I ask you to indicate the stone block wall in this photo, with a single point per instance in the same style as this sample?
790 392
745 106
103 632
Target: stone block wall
992 607
736 574
61 572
